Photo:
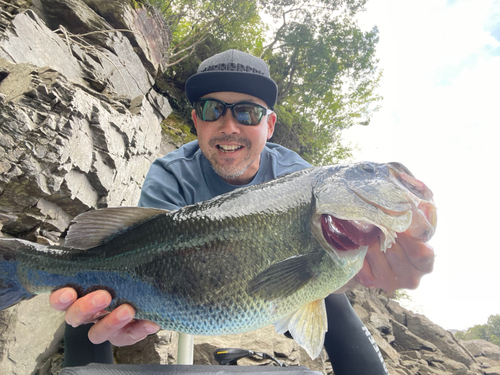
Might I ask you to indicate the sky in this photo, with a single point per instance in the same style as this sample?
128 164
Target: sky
440 117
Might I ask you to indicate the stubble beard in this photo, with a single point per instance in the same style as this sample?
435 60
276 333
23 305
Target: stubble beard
230 171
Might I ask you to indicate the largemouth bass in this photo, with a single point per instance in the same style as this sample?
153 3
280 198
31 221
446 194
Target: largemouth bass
260 255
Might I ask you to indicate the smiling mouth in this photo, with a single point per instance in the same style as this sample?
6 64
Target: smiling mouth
227 148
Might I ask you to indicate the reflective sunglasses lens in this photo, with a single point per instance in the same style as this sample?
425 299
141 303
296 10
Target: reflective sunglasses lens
211 110
248 114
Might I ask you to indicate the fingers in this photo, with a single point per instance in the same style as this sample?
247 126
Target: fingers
420 254
110 325
401 266
133 332
406 275
87 308
61 299
377 272
120 328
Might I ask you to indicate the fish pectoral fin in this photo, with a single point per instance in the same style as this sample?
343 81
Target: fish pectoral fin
286 277
93 228
307 326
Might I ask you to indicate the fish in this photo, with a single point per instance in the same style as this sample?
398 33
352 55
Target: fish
259 255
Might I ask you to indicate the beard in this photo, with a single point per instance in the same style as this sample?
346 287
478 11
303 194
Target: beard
229 168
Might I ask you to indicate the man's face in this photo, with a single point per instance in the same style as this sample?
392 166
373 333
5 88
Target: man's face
234 149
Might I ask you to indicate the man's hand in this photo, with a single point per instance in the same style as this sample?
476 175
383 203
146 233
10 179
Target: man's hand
401 266
118 326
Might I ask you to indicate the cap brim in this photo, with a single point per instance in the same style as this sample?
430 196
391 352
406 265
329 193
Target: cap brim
256 85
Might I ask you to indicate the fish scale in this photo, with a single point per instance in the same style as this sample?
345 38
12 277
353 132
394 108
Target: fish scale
238 262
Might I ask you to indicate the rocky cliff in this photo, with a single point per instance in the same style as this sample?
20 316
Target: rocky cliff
79 127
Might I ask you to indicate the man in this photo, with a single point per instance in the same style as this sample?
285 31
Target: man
233 96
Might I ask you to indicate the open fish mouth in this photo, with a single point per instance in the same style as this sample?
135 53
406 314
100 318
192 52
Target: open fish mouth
345 235
388 200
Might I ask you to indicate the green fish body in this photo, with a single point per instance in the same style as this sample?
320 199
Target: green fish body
260 255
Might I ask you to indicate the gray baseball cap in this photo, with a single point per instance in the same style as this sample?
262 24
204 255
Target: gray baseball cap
235 71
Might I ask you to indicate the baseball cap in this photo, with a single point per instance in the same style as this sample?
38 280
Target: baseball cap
235 71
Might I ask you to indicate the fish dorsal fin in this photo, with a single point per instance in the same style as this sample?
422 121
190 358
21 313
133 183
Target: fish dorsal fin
93 228
286 277
307 326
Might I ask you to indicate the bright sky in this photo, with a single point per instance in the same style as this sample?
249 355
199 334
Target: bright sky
441 118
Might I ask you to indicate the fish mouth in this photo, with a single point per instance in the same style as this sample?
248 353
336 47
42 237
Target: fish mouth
345 235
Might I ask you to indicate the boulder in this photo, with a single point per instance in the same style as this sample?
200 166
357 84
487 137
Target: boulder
484 352
444 340
30 334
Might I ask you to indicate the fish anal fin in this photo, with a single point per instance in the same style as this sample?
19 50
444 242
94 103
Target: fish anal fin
93 228
286 277
307 326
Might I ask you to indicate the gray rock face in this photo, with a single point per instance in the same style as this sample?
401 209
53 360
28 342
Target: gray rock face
80 123
31 333
418 345
486 353
79 128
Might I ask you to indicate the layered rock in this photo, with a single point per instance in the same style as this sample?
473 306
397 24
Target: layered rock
486 353
79 128
411 343
80 122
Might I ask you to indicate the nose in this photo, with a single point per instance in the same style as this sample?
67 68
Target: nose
228 124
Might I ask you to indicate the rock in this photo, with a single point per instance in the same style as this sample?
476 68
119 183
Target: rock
148 34
74 157
492 370
444 340
484 352
82 149
417 341
380 322
160 348
80 126
407 340
482 348
30 333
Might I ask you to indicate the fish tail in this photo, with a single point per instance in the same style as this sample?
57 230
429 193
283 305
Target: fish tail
11 289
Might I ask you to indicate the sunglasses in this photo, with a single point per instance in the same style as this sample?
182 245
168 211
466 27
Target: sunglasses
246 113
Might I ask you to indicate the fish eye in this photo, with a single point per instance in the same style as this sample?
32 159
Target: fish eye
367 167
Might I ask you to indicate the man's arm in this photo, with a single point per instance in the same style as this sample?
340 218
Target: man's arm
348 342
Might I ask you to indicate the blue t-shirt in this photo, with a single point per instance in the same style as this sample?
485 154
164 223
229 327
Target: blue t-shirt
185 176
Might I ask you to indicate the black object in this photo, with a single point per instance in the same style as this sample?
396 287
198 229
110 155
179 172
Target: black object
102 369
350 346
79 351
229 356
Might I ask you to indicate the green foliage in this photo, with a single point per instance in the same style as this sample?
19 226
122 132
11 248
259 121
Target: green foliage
192 22
177 129
325 68
401 295
489 331
323 63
